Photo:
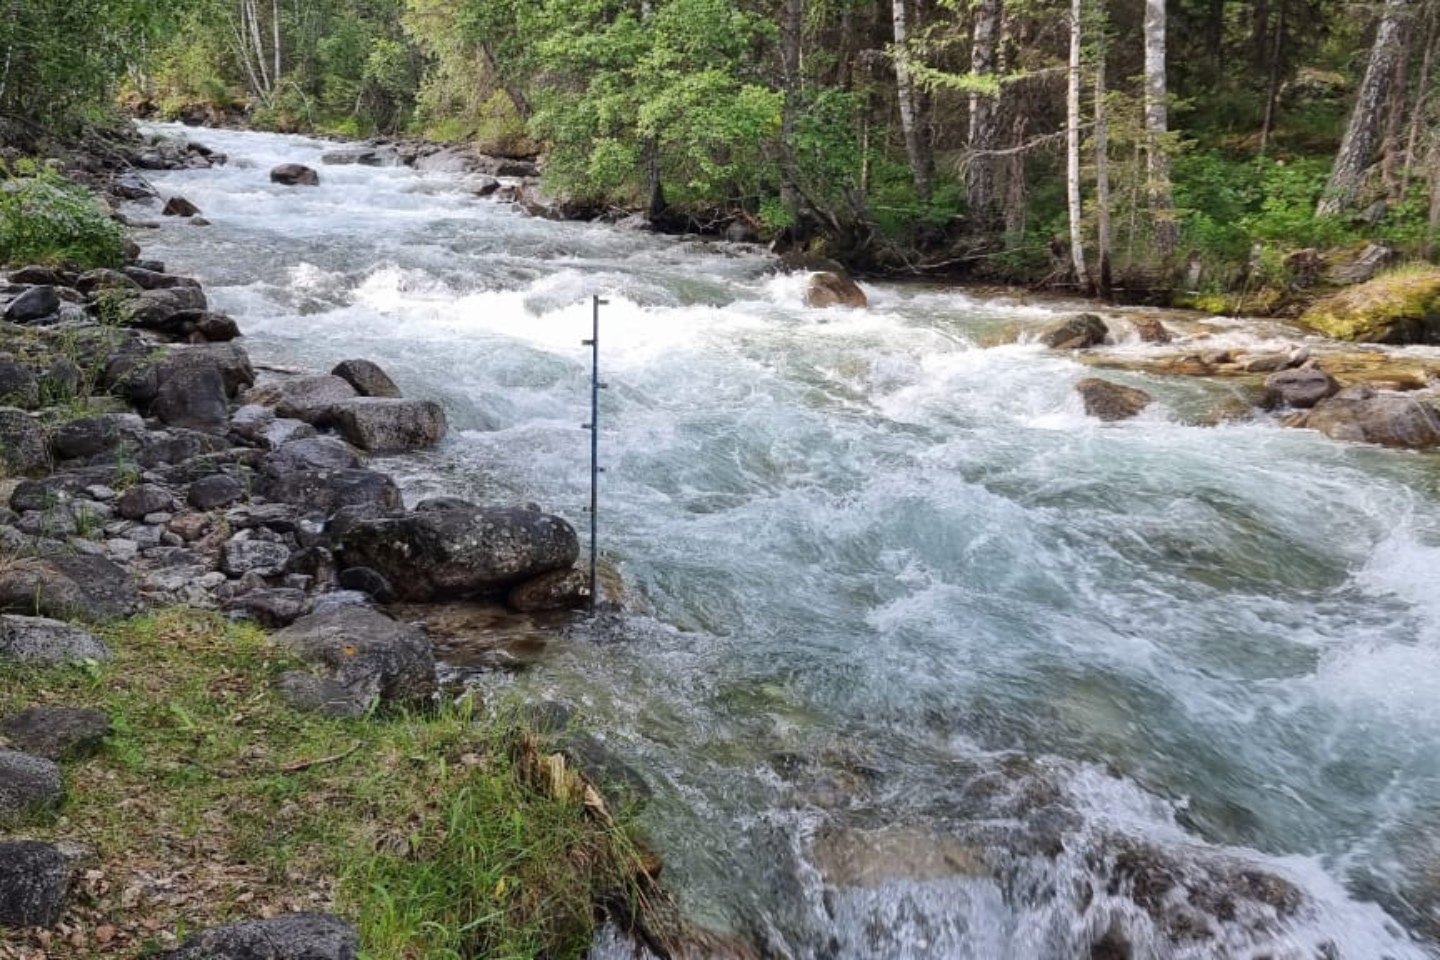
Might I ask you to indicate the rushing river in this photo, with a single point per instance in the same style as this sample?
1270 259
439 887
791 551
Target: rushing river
920 661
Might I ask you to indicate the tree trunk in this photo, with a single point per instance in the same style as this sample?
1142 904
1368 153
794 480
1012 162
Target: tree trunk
1272 81
1422 98
980 172
518 100
1157 123
915 146
1362 133
1102 176
1391 151
791 33
275 29
1434 224
1072 149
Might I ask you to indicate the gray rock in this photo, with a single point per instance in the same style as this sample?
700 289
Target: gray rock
191 394
96 436
160 309
34 880
294 175
91 588
383 425
37 303
1361 415
213 492
270 607
17 383
217 327
367 378
301 398
311 694
1301 388
460 553
239 557
27 785
150 279
147 498
39 640
369 582
132 187
22 442
1075 333
377 659
312 453
178 206
325 491
295 936
619 782
556 590
830 289
92 282
1111 401
57 733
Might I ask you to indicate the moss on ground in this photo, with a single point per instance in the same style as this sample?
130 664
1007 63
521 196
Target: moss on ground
1402 306
213 801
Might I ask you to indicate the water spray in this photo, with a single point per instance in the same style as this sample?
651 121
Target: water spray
594 427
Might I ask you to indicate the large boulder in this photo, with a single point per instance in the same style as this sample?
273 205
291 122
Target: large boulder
460 552
556 590
387 425
1399 307
377 659
178 206
302 398
192 395
366 377
69 585
27 784
1111 401
1302 388
18 385
38 640
34 304
161 309
829 289
1360 267
1360 414
295 175
312 453
34 879
57 733
295 936
1075 333
97 436
22 443
326 491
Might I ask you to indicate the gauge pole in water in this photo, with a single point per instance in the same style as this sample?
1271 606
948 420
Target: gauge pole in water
594 427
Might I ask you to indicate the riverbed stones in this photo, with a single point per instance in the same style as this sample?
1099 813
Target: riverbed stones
556 590
1079 332
33 305
460 553
387 425
1360 414
215 491
1301 389
1111 401
306 398
295 936
377 659
367 378
56 733
830 289
294 175
242 555
27 785
34 880
42 640
22 442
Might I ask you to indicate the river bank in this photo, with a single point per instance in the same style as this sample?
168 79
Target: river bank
924 659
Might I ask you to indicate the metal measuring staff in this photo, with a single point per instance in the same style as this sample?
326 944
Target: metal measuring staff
594 427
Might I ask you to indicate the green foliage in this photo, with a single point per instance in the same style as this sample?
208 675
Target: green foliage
45 218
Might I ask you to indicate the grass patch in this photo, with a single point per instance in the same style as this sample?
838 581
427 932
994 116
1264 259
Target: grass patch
46 219
213 801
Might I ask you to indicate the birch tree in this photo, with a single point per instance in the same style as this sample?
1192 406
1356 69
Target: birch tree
1072 147
1157 128
915 146
984 126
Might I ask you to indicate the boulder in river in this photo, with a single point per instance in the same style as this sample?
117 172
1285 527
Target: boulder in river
377 659
295 175
1302 388
828 289
162 309
1398 307
387 425
1360 414
307 398
366 377
1111 401
461 552
556 590
178 206
294 936
34 880
1075 333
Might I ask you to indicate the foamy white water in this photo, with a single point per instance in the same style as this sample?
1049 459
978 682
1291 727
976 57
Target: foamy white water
900 581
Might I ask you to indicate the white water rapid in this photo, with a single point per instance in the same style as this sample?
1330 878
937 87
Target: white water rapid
921 662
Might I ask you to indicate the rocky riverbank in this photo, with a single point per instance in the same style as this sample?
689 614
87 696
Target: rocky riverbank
153 480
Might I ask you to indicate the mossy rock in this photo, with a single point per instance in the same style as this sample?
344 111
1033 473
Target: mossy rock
1398 307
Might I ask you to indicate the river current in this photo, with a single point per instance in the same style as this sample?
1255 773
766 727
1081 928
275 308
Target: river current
918 660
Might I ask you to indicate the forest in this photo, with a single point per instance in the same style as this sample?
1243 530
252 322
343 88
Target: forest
1178 147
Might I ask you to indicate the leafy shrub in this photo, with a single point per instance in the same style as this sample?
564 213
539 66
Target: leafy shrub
45 218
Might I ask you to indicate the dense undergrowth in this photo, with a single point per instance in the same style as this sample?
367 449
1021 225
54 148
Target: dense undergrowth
46 219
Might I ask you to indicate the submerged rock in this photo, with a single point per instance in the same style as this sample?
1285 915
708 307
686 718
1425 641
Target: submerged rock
1075 333
1400 307
457 553
830 289
1111 401
872 858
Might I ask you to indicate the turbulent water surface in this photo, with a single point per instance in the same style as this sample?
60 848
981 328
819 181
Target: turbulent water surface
920 661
